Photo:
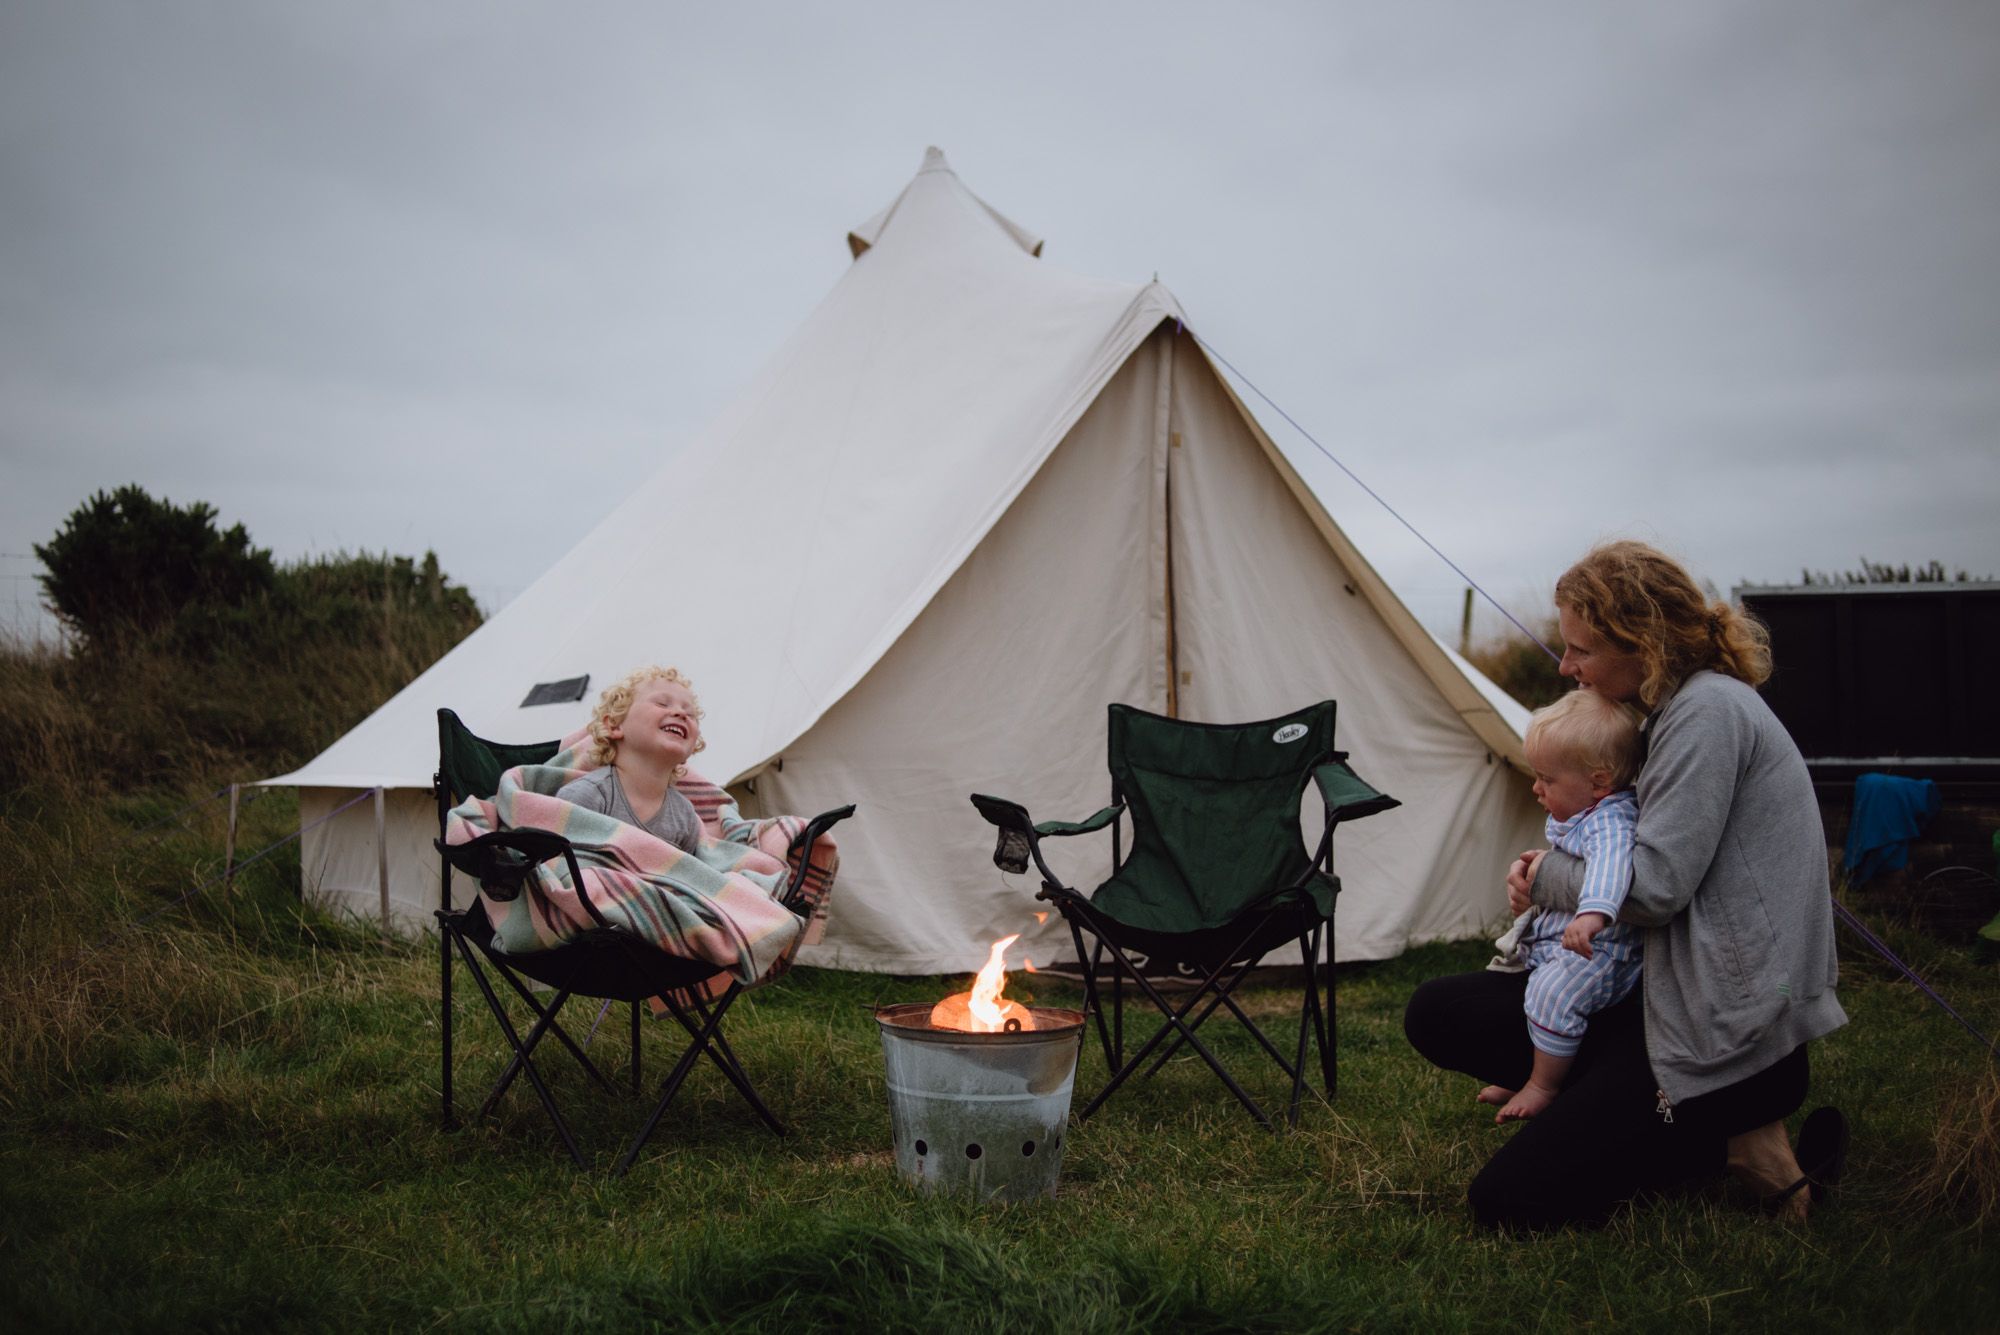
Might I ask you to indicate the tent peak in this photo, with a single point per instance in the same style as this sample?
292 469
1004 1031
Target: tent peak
936 174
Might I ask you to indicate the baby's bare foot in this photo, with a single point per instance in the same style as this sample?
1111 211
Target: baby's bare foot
1495 1094
1531 1100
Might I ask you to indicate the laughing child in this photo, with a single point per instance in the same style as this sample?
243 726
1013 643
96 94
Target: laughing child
642 732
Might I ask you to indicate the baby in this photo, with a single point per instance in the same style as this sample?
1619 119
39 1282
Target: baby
1585 750
642 732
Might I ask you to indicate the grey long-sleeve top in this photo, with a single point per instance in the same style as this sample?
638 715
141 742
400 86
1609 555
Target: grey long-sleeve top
1729 877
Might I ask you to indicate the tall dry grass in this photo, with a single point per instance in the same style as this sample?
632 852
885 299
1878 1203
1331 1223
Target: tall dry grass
112 833
1519 666
1963 1177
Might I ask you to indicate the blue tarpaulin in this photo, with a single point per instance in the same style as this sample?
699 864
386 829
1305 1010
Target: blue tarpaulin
1889 811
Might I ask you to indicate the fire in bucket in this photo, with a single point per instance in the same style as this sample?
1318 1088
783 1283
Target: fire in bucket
982 1010
979 1088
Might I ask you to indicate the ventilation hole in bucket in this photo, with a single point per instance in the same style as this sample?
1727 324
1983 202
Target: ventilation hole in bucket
922 1149
1027 1148
973 1151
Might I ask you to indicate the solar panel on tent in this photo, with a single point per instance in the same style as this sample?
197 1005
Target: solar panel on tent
557 692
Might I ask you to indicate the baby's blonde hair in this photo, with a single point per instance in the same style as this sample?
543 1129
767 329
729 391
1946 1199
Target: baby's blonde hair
1592 732
616 703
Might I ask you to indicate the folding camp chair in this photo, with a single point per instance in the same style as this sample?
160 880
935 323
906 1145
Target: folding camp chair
1218 876
601 962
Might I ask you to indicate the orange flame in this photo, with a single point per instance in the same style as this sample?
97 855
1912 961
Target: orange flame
1041 917
983 1010
986 988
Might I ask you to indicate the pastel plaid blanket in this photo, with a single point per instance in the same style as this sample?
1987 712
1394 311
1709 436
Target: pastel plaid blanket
719 904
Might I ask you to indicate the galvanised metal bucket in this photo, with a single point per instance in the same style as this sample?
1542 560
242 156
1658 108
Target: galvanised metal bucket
980 1115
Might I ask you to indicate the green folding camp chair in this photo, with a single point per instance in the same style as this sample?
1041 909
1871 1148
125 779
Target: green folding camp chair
600 963
1218 876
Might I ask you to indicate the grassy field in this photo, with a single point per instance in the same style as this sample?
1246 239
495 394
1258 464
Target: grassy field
225 1118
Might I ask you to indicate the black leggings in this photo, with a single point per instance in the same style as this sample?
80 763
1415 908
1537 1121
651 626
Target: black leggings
1604 1140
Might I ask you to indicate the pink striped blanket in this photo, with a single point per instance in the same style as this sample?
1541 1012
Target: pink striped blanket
720 903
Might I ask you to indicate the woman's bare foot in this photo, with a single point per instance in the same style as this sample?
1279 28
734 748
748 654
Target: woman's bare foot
1763 1161
1495 1095
1531 1100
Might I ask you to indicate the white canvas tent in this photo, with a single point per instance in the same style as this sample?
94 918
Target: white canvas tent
972 501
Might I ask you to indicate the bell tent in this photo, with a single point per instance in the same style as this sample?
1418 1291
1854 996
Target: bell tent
971 502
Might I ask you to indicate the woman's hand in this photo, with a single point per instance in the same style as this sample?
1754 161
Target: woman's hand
1521 880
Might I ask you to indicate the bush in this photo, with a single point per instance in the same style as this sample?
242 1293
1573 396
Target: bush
246 675
1522 668
124 563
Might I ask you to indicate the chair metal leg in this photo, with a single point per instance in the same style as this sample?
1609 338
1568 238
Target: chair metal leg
1088 964
724 1056
1176 1020
673 1083
521 1055
1117 1001
1223 995
635 1049
1308 1018
1329 1047
1218 996
450 1119
527 996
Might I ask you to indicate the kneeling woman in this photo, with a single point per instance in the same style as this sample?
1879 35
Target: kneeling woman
1700 1068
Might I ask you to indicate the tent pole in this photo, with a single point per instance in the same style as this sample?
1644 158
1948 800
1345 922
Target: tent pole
1167 525
382 856
229 844
1173 650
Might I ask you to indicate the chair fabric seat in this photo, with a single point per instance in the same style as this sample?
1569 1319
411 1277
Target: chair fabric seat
1250 936
597 963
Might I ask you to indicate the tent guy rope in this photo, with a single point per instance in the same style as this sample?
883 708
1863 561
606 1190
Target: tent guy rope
1355 478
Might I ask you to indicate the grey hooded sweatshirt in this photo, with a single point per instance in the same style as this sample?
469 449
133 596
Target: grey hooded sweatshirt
1729 876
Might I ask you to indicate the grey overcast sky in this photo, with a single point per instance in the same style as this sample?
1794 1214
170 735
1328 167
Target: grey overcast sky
378 275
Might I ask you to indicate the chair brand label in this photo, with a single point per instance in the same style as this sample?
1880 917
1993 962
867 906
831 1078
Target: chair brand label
1291 732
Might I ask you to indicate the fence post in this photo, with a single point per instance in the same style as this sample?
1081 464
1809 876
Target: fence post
229 844
382 855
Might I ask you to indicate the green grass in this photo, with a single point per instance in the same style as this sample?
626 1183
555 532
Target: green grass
227 1119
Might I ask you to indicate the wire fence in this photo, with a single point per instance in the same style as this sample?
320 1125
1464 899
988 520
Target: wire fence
232 865
23 617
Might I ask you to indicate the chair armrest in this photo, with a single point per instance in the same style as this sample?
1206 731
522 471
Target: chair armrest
1021 838
1017 832
801 848
818 826
1089 825
1348 796
504 858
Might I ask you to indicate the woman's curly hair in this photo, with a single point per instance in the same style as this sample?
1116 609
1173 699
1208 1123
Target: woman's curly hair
616 703
1640 601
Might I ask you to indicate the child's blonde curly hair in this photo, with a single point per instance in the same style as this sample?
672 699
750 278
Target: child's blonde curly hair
1591 732
616 703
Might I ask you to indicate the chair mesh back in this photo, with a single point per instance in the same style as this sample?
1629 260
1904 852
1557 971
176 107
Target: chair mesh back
1215 810
472 766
